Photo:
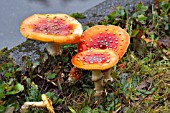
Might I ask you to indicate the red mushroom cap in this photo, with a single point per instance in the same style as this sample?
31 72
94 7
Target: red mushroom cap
95 59
102 37
60 28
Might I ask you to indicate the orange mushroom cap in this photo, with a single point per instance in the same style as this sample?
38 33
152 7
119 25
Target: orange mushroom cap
102 37
95 59
59 28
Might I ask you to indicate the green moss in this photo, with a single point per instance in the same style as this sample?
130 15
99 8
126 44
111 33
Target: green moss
78 15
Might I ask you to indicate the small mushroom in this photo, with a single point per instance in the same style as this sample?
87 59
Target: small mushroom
105 37
96 60
46 102
75 74
55 29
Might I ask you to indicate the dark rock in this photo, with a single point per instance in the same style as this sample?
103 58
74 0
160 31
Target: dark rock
97 13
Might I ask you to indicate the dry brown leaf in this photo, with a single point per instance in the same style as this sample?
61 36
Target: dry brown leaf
143 84
147 40
122 65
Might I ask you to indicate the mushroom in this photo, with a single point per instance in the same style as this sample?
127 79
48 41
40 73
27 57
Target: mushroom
75 74
103 37
55 29
96 60
46 102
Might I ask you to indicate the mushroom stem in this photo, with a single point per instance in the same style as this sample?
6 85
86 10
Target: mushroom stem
37 104
45 103
54 49
97 78
107 76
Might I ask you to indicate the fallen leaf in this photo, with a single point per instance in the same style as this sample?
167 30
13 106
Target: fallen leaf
123 65
142 85
134 32
147 40
158 43
147 84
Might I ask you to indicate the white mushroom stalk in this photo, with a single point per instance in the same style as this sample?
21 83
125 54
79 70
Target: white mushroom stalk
54 49
97 78
46 103
107 75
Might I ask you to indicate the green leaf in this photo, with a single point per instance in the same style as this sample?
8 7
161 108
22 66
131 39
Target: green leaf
34 92
78 15
1 70
51 76
11 69
85 27
120 11
2 95
123 78
28 83
28 63
7 74
50 94
2 108
141 8
19 69
65 59
59 85
67 46
111 16
71 109
126 85
110 97
152 37
135 32
35 64
95 110
17 88
166 27
146 92
86 109
59 101
134 15
114 23
141 17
